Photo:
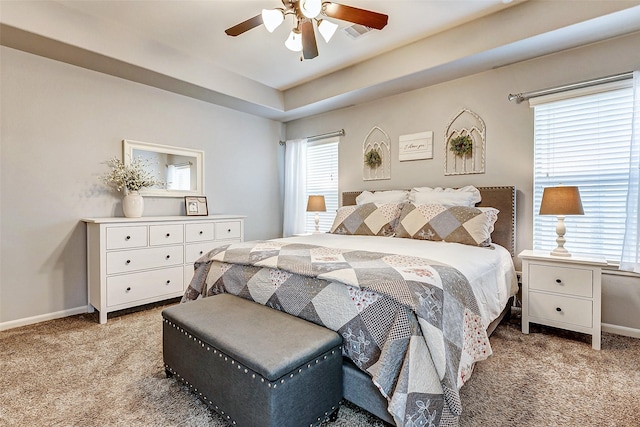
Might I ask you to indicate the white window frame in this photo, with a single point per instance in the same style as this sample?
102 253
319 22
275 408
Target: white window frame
573 150
328 187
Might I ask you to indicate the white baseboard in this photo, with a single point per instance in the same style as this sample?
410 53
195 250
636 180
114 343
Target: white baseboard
42 318
621 330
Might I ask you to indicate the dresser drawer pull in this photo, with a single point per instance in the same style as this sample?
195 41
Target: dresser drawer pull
127 238
201 252
228 230
128 262
559 281
558 309
168 234
168 282
128 289
201 232
168 256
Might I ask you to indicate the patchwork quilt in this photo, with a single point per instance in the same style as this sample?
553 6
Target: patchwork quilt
412 324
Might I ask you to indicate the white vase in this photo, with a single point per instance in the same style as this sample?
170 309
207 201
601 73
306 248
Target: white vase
133 205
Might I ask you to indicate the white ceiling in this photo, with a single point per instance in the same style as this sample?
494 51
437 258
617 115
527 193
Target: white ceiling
180 45
196 28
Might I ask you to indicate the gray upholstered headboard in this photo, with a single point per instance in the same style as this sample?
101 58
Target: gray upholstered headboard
501 198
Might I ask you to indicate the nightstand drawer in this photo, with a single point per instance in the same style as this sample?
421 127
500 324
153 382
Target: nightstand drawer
561 280
561 309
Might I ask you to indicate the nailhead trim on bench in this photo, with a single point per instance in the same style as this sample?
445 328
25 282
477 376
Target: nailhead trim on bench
220 354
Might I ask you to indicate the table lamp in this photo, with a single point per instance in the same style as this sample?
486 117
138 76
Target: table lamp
316 204
561 201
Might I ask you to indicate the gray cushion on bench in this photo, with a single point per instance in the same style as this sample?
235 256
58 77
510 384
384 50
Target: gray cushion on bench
253 364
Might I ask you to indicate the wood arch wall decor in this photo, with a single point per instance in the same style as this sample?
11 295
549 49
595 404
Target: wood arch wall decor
465 123
378 140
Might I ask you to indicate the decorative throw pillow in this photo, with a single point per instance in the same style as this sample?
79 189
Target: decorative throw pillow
458 224
390 196
371 219
465 196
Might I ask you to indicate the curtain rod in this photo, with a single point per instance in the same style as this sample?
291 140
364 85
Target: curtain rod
321 136
519 97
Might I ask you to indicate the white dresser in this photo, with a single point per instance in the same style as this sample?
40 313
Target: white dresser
562 292
135 261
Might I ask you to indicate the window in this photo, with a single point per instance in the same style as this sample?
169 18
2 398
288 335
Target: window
583 138
322 179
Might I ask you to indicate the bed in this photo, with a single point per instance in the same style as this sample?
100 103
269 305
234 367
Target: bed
414 313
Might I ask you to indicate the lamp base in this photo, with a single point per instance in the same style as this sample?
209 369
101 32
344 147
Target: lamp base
560 230
560 252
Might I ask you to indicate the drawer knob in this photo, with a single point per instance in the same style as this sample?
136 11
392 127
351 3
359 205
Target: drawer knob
128 238
168 281
128 262
201 252
168 256
558 281
201 232
229 230
558 309
128 289
168 234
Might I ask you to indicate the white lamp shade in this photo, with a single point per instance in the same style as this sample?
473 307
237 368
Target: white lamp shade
310 8
272 18
294 42
327 29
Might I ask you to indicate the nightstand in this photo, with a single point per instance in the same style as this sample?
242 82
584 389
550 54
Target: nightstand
563 292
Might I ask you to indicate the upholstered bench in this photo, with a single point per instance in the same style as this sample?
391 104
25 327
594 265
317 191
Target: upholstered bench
254 365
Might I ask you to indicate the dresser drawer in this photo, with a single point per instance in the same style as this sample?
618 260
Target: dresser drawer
228 230
196 250
562 280
199 232
141 259
139 286
166 234
126 237
571 310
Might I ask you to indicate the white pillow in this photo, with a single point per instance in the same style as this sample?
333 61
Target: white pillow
391 196
465 196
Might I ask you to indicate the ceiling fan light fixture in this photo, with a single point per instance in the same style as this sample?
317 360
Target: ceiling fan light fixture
272 18
310 8
327 29
294 42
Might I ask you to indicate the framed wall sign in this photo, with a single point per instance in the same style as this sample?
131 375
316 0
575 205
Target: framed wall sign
196 206
417 146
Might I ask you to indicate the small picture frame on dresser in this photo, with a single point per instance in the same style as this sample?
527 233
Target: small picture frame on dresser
196 206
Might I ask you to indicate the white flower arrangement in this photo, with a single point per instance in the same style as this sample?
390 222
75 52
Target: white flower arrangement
132 177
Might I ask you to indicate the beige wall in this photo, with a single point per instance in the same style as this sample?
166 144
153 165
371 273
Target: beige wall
59 123
509 153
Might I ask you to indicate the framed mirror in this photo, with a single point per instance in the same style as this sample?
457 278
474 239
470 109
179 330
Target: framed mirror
182 169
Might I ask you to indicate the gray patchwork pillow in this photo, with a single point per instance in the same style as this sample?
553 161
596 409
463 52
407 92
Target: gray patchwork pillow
457 224
370 219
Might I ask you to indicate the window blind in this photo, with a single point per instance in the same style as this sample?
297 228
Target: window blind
322 179
584 140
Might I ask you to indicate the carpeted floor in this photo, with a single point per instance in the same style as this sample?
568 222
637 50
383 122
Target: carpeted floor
75 372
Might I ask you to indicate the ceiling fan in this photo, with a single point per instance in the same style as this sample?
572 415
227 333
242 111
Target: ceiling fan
305 12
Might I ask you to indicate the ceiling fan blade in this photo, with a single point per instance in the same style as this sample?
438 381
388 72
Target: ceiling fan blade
244 26
309 46
357 16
